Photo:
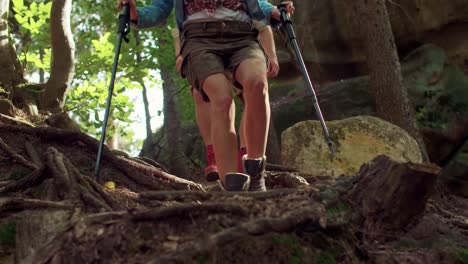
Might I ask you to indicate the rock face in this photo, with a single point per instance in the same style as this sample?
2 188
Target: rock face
456 172
436 88
328 33
357 140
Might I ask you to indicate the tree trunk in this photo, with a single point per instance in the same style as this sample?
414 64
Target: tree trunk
390 195
149 130
391 97
62 65
11 72
176 162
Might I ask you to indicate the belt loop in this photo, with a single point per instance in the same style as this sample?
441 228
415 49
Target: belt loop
205 25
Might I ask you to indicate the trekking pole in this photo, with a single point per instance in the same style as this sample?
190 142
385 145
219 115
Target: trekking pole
123 30
287 23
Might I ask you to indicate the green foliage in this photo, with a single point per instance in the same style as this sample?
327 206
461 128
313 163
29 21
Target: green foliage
165 55
337 210
7 234
202 259
95 34
34 33
326 257
292 243
443 99
463 255
96 43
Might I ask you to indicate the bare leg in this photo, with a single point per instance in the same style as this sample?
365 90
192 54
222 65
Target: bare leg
243 145
202 112
218 89
243 142
251 74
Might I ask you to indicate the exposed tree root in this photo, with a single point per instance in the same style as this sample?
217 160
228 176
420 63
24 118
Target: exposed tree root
15 205
32 179
80 222
16 156
70 184
67 184
15 120
149 162
129 166
314 216
148 176
451 218
188 209
278 167
204 196
286 180
32 152
4 183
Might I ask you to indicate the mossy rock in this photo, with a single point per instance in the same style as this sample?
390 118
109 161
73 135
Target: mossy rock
456 172
357 140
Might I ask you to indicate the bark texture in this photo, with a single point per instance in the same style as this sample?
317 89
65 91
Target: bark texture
63 53
391 195
11 72
176 163
386 81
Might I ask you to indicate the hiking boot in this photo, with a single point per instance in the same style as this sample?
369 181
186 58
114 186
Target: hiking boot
255 168
235 182
211 171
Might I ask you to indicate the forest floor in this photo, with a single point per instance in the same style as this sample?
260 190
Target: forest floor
53 211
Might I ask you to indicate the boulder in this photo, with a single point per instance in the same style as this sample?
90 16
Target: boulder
327 31
436 88
455 174
357 140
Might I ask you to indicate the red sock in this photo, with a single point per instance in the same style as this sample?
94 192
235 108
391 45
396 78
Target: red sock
210 156
240 154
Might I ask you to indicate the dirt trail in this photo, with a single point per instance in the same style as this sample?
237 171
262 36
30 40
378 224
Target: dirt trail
52 211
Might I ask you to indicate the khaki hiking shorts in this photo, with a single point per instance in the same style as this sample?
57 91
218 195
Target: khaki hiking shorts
217 47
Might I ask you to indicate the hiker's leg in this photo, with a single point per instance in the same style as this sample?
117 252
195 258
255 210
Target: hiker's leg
243 145
203 115
242 140
251 74
218 89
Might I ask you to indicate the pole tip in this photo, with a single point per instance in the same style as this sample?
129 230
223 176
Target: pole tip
331 149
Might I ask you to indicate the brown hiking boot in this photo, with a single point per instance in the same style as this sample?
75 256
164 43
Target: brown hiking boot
255 168
235 182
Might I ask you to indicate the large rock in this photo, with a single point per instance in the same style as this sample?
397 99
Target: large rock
328 34
456 172
436 88
357 140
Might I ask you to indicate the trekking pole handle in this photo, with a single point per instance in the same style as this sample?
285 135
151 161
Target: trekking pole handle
124 19
286 21
284 16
